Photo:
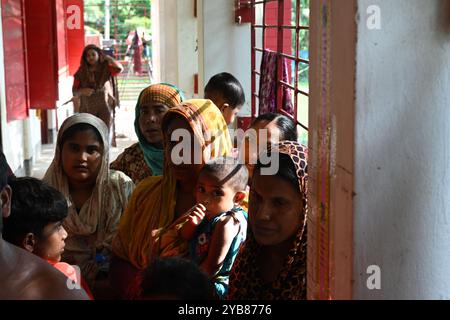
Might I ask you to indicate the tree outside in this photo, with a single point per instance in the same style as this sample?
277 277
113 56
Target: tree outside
126 16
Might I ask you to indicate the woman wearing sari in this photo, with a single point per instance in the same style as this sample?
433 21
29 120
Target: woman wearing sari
137 53
94 86
96 196
146 158
272 263
158 201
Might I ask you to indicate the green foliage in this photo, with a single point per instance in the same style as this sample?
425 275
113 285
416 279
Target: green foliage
139 22
126 15
89 30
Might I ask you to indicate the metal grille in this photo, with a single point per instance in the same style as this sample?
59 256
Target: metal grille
283 26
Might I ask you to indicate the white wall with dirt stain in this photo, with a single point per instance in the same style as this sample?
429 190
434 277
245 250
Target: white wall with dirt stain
402 158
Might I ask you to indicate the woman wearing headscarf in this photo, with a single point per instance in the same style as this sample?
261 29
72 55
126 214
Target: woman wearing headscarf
96 195
94 86
146 158
272 263
158 201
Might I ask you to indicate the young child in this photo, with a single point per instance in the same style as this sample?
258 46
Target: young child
175 278
227 94
217 225
36 224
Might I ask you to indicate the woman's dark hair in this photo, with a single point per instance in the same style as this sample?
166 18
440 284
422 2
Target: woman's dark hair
230 88
286 125
34 205
87 49
79 127
3 171
176 277
286 170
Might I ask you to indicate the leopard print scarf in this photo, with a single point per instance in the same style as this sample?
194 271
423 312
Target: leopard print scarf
245 283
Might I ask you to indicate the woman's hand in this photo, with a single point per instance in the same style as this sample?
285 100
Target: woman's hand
113 63
108 59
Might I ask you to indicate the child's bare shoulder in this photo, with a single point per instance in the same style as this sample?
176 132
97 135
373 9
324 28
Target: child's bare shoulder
228 221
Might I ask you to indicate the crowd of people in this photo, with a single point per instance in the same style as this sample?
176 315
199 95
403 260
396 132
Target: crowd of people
185 213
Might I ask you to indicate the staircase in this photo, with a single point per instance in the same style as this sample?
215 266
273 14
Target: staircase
131 85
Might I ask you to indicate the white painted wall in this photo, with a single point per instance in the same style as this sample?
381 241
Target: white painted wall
62 111
174 43
402 171
187 46
224 46
156 40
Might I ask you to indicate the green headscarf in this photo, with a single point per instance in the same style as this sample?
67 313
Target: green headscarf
164 93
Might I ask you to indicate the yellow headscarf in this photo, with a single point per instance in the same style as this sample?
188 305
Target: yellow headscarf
152 205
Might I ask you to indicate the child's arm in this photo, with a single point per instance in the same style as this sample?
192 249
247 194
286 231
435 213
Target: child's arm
224 232
196 216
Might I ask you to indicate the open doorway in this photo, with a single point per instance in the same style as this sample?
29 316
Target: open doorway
123 29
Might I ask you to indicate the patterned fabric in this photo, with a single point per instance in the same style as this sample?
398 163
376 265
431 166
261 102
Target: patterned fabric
167 95
163 93
152 205
200 244
132 163
268 84
245 280
91 230
208 125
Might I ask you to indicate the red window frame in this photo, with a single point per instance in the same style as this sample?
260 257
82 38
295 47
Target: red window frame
280 26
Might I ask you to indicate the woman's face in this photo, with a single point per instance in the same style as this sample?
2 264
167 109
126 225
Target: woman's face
92 57
259 135
183 150
274 213
82 157
150 117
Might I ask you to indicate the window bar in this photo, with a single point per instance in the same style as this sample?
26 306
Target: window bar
263 44
116 35
297 90
297 47
283 27
264 1
287 56
280 47
264 26
296 121
253 57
